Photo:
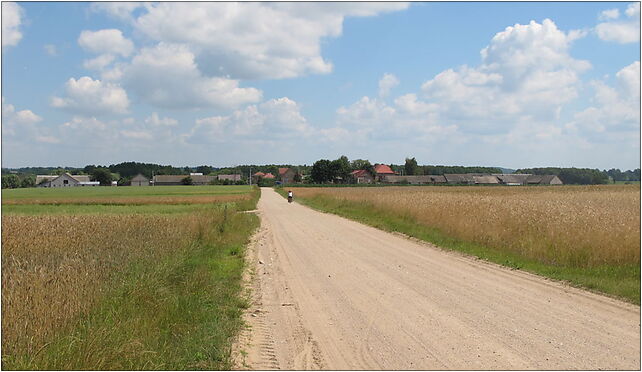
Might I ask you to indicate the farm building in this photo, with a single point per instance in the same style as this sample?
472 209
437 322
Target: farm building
466 178
414 180
286 175
548 179
140 180
486 180
229 177
44 180
362 176
65 180
174 180
512 179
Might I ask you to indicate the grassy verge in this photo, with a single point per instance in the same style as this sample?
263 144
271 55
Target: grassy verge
619 281
175 312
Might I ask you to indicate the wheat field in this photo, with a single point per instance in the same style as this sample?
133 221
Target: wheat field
578 226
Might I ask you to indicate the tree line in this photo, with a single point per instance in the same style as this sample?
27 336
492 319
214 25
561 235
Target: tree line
322 171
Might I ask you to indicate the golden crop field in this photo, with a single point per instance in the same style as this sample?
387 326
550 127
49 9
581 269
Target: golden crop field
54 267
58 268
578 226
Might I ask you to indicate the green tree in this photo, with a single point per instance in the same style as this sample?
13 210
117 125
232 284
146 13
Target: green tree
28 181
10 181
411 167
187 181
340 169
205 169
102 175
322 171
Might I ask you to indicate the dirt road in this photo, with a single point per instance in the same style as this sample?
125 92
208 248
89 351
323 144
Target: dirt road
334 294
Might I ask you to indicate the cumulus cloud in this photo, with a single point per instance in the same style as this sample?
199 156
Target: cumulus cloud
167 76
12 15
20 123
156 121
615 108
277 117
525 77
620 31
526 72
121 10
254 40
92 97
109 41
12 117
386 83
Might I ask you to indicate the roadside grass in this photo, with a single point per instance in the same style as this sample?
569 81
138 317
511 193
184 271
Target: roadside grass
171 309
618 280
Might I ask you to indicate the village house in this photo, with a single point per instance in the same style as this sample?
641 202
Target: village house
139 180
269 176
362 176
381 171
286 175
65 180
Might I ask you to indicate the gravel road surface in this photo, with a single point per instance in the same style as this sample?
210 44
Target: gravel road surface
330 293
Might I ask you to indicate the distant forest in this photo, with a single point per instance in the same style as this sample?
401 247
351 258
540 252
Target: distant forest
123 172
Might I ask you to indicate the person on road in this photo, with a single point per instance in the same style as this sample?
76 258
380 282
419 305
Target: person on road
290 196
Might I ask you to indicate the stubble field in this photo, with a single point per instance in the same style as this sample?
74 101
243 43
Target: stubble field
155 285
587 235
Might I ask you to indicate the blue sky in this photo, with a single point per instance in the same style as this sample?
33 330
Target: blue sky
494 84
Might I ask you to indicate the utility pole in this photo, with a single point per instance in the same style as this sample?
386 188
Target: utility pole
250 177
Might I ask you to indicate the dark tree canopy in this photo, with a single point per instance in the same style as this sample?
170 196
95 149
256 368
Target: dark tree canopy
102 175
322 171
411 167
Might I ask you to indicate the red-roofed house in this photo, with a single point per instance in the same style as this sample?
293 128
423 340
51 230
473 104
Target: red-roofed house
362 176
268 176
286 175
382 171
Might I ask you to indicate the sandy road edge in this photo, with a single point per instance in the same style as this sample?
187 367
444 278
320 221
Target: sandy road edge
477 261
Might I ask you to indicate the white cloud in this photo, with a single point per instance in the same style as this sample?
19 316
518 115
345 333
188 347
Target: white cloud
99 63
620 31
526 72
254 40
386 83
20 124
121 10
167 76
156 121
109 41
614 109
365 112
137 134
92 97
12 15
609 14
23 117
277 117
525 77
